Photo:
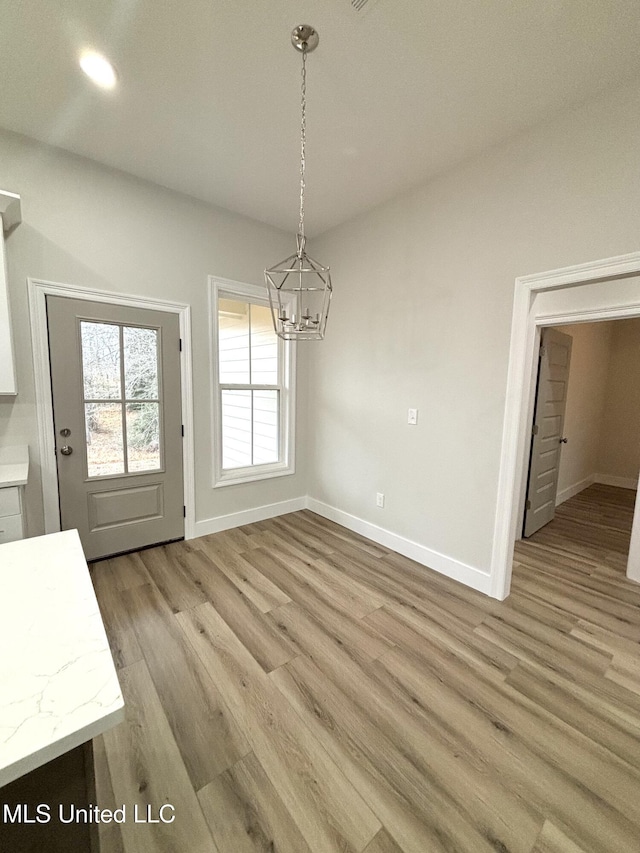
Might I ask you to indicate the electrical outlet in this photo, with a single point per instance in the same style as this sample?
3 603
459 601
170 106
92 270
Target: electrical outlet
413 416
379 499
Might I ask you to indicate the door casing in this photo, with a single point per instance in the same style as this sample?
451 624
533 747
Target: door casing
527 322
38 290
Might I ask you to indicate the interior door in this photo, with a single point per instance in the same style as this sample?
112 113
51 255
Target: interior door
547 432
115 379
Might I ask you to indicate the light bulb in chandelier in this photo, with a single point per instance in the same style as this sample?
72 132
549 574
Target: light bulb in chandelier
299 287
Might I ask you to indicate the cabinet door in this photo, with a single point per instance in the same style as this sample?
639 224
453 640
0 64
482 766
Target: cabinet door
11 528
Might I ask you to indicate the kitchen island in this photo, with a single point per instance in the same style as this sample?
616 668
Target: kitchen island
58 684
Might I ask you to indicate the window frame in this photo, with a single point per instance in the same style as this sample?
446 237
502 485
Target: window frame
257 295
123 400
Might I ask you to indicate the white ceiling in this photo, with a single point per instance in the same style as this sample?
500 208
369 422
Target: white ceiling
208 100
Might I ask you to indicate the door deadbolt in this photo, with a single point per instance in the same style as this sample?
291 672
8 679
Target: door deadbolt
65 432
66 450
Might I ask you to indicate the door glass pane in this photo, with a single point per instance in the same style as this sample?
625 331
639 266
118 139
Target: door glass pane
264 347
100 360
143 436
140 363
265 427
105 450
233 341
236 429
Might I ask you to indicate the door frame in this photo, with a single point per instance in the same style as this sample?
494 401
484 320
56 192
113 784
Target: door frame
38 291
526 325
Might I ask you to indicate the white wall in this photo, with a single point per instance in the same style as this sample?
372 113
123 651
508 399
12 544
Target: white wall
87 225
619 456
588 377
422 316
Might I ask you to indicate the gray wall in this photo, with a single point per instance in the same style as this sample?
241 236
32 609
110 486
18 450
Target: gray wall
422 318
87 225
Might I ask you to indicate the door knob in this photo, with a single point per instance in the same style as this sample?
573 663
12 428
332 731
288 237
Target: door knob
66 450
564 440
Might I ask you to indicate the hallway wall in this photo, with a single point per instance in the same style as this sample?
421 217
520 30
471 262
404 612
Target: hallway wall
619 457
602 418
588 378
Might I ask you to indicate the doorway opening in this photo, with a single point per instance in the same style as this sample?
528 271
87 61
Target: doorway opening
603 290
585 446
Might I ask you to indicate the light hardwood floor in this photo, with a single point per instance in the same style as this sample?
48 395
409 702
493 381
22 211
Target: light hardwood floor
292 687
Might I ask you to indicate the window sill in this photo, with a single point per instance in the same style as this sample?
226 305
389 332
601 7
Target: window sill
243 475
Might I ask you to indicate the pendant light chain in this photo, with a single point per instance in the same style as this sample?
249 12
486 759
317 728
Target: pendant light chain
299 288
303 141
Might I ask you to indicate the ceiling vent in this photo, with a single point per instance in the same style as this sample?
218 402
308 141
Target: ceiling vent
363 5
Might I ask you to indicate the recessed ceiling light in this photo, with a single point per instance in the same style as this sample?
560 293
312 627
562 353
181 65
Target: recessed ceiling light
99 69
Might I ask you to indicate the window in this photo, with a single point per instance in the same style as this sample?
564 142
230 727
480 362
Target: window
253 403
121 398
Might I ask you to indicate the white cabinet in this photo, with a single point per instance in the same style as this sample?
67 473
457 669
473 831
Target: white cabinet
11 519
14 472
10 215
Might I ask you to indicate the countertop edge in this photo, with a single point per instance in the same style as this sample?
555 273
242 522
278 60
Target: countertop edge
57 748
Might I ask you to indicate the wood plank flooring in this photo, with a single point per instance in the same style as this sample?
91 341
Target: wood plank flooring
295 688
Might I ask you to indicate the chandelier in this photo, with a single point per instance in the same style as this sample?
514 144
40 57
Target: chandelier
300 288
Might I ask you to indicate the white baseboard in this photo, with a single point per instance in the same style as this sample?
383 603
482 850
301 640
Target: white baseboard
621 482
468 575
573 490
247 516
604 479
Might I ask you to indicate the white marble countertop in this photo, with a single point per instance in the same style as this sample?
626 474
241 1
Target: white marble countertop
58 683
14 465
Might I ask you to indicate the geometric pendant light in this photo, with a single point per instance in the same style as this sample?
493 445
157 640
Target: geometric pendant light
300 288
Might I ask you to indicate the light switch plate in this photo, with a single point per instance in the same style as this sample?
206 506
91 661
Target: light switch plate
413 416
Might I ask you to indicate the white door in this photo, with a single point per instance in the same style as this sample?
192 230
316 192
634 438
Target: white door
115 379
547 432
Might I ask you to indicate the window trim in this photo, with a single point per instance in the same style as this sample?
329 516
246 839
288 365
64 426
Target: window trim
287 380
